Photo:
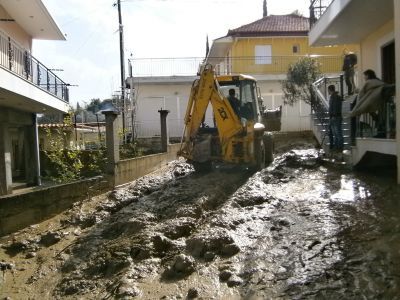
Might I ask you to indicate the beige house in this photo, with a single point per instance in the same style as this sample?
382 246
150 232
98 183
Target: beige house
375 26
27 88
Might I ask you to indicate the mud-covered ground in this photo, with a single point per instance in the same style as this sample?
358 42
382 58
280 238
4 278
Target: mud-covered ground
302 228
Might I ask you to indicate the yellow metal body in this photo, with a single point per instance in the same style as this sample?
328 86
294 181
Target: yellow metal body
235 136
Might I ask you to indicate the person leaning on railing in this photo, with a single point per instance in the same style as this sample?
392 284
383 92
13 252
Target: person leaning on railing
371 100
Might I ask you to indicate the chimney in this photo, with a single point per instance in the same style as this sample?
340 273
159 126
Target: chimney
265 11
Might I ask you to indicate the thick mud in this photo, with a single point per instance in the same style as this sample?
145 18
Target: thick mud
303 228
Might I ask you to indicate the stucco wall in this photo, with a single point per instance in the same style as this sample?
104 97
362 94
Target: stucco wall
13 30
371 48
153 97
294 118
281 48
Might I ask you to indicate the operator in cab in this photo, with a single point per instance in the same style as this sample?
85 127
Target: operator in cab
234 102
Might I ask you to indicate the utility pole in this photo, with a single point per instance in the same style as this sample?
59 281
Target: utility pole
122 63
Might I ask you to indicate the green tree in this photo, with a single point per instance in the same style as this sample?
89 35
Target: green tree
300 77
94 105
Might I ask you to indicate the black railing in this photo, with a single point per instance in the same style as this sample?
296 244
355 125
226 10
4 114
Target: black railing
317 9
18 60
320 104
380 123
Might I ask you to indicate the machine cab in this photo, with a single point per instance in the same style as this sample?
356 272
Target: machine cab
244 99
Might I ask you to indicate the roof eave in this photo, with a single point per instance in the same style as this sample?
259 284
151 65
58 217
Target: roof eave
269 33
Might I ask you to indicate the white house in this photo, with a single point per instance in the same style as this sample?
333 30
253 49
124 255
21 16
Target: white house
27 88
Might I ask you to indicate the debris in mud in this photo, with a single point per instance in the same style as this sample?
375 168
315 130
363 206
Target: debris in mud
182 170
128 288
141 252
162 245
30 255
179 227
50 238
192 293
225 275
216 241
182 266
234 280
4 266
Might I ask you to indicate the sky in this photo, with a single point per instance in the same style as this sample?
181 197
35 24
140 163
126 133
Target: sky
152 29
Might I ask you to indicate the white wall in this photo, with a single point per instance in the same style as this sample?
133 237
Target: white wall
294 118
174 97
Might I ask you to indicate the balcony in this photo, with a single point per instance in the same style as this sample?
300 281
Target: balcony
336 22
20 62
260 65
317 9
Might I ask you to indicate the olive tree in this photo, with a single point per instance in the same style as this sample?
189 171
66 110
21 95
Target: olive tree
300 77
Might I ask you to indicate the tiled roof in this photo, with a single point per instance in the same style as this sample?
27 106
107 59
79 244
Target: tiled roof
274 25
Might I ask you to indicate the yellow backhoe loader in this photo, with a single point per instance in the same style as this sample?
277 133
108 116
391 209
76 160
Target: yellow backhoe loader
238 134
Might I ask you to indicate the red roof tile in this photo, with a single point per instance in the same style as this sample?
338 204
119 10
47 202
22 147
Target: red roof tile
274 25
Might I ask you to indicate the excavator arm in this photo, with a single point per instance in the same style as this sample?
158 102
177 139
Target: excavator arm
204 91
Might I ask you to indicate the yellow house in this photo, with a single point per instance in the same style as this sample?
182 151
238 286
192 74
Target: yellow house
268 45
265 49
375 26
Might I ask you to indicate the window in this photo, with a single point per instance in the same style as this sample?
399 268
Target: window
263 55
296 48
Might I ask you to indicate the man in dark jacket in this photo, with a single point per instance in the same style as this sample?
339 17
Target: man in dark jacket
235 102
349 61
335 120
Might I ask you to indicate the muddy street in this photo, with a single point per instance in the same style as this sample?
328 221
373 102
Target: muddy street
302 228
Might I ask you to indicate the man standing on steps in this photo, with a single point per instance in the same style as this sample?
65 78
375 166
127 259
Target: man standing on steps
349 61
335 120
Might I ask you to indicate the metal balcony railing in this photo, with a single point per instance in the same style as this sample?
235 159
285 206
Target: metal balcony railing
317 9
19 61
381 123
254 65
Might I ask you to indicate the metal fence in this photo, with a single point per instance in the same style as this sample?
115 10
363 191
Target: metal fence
257 65
382 122
317 9
18 60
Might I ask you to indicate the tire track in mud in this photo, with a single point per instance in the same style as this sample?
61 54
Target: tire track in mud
151 232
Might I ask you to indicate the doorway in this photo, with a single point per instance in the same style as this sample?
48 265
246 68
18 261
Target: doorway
388 63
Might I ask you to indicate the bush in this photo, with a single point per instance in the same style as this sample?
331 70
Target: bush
65 165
